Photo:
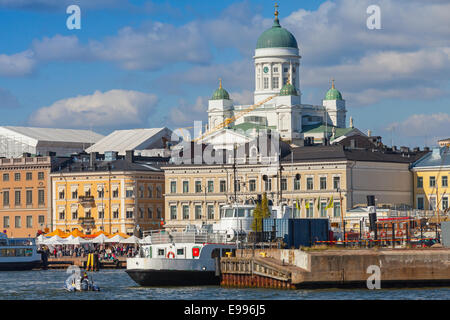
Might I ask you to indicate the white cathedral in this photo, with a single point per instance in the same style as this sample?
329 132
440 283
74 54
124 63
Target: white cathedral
277 101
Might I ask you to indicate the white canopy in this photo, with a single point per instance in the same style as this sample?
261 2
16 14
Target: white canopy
131 239
100 239
146 240
40 239
55 240
115 239
76 240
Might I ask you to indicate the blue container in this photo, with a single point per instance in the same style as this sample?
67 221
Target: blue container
298 232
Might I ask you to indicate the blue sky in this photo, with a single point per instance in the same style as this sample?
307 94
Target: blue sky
136 64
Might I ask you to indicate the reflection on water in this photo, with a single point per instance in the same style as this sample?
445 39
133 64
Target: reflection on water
116 285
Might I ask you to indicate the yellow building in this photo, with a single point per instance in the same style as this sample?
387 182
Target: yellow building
122 195
431 174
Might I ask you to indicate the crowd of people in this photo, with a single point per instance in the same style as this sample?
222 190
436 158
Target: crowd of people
105 251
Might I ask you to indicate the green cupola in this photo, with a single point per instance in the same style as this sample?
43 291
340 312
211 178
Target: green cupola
221 93
333 93
288 90
276 37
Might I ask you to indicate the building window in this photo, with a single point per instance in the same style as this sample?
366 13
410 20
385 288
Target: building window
87 213
158 191
285 69
211 186
185 212
29 176
252 185
129 192
185 186
41 220
101 193
6 222
310 209
198 212
309 183
432 204
101 213
223 186
420 203
173 212
419 182
141 191
444 181
115 192
75 194
210 212
285 79
337 209
29 196
266 82
268 185
150 191
150 212
5 198
336 183
6 177
323 210
129 214
18 222
87 192
173 187
74 215
198 186
40 175
283 184
158 213
296 184
237 185
275 83
275 69
141 213
444 203
29 221
41 197
432 181
323 183
116 213
17 197
17 176
61 195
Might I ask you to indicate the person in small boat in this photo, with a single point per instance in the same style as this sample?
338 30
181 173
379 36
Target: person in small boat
84 276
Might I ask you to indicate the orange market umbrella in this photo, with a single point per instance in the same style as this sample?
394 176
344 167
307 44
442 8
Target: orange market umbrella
96 234
77 233
58 233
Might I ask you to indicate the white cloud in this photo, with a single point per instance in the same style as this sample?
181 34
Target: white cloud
184 114
111 109
19 64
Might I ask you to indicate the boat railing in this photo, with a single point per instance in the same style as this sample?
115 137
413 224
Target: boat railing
18 242
187 237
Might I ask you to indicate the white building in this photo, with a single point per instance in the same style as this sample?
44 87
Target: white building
14 141
277 99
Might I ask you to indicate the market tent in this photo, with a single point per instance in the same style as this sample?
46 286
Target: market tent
77 233
55 240
123 235
40 239
99 239
58 233
117 238
96 234
77 241
132 239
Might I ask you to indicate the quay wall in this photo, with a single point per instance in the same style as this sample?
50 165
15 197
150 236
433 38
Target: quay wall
398 267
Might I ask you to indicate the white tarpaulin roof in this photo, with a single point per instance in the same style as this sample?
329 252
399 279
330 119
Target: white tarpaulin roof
55 240
100 239
76 240
147 240
116 238
131 239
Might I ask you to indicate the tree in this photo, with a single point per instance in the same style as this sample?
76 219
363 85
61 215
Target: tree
261 212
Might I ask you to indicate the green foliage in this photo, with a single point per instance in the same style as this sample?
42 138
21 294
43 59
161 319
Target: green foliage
261 212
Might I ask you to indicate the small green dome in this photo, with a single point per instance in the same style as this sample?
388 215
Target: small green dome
333 93
220 93
276 37
288 90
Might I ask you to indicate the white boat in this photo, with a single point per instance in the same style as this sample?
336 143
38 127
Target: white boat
185 258
18 254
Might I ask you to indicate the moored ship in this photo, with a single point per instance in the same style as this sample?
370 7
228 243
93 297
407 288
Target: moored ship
17 254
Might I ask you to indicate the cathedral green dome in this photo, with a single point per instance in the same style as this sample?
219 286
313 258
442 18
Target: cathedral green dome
276 37
220 93
333 93
288 90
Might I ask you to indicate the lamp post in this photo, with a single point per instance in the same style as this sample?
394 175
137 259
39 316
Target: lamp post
342 215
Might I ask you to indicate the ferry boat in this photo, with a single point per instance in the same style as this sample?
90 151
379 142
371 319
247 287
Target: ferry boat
187 258
17 254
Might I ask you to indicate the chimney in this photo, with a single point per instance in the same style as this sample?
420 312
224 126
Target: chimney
369 133
129 155
352 144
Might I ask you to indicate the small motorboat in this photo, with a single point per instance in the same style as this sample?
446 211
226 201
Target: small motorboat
73 284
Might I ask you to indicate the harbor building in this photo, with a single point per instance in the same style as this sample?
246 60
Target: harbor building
277 101
316 181
430 176
14 141
111 193
24 195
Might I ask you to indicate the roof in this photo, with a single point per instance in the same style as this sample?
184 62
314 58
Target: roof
338 152
134 139
116 165
320 128
276 37
245 126
438 157
288 90
53 134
